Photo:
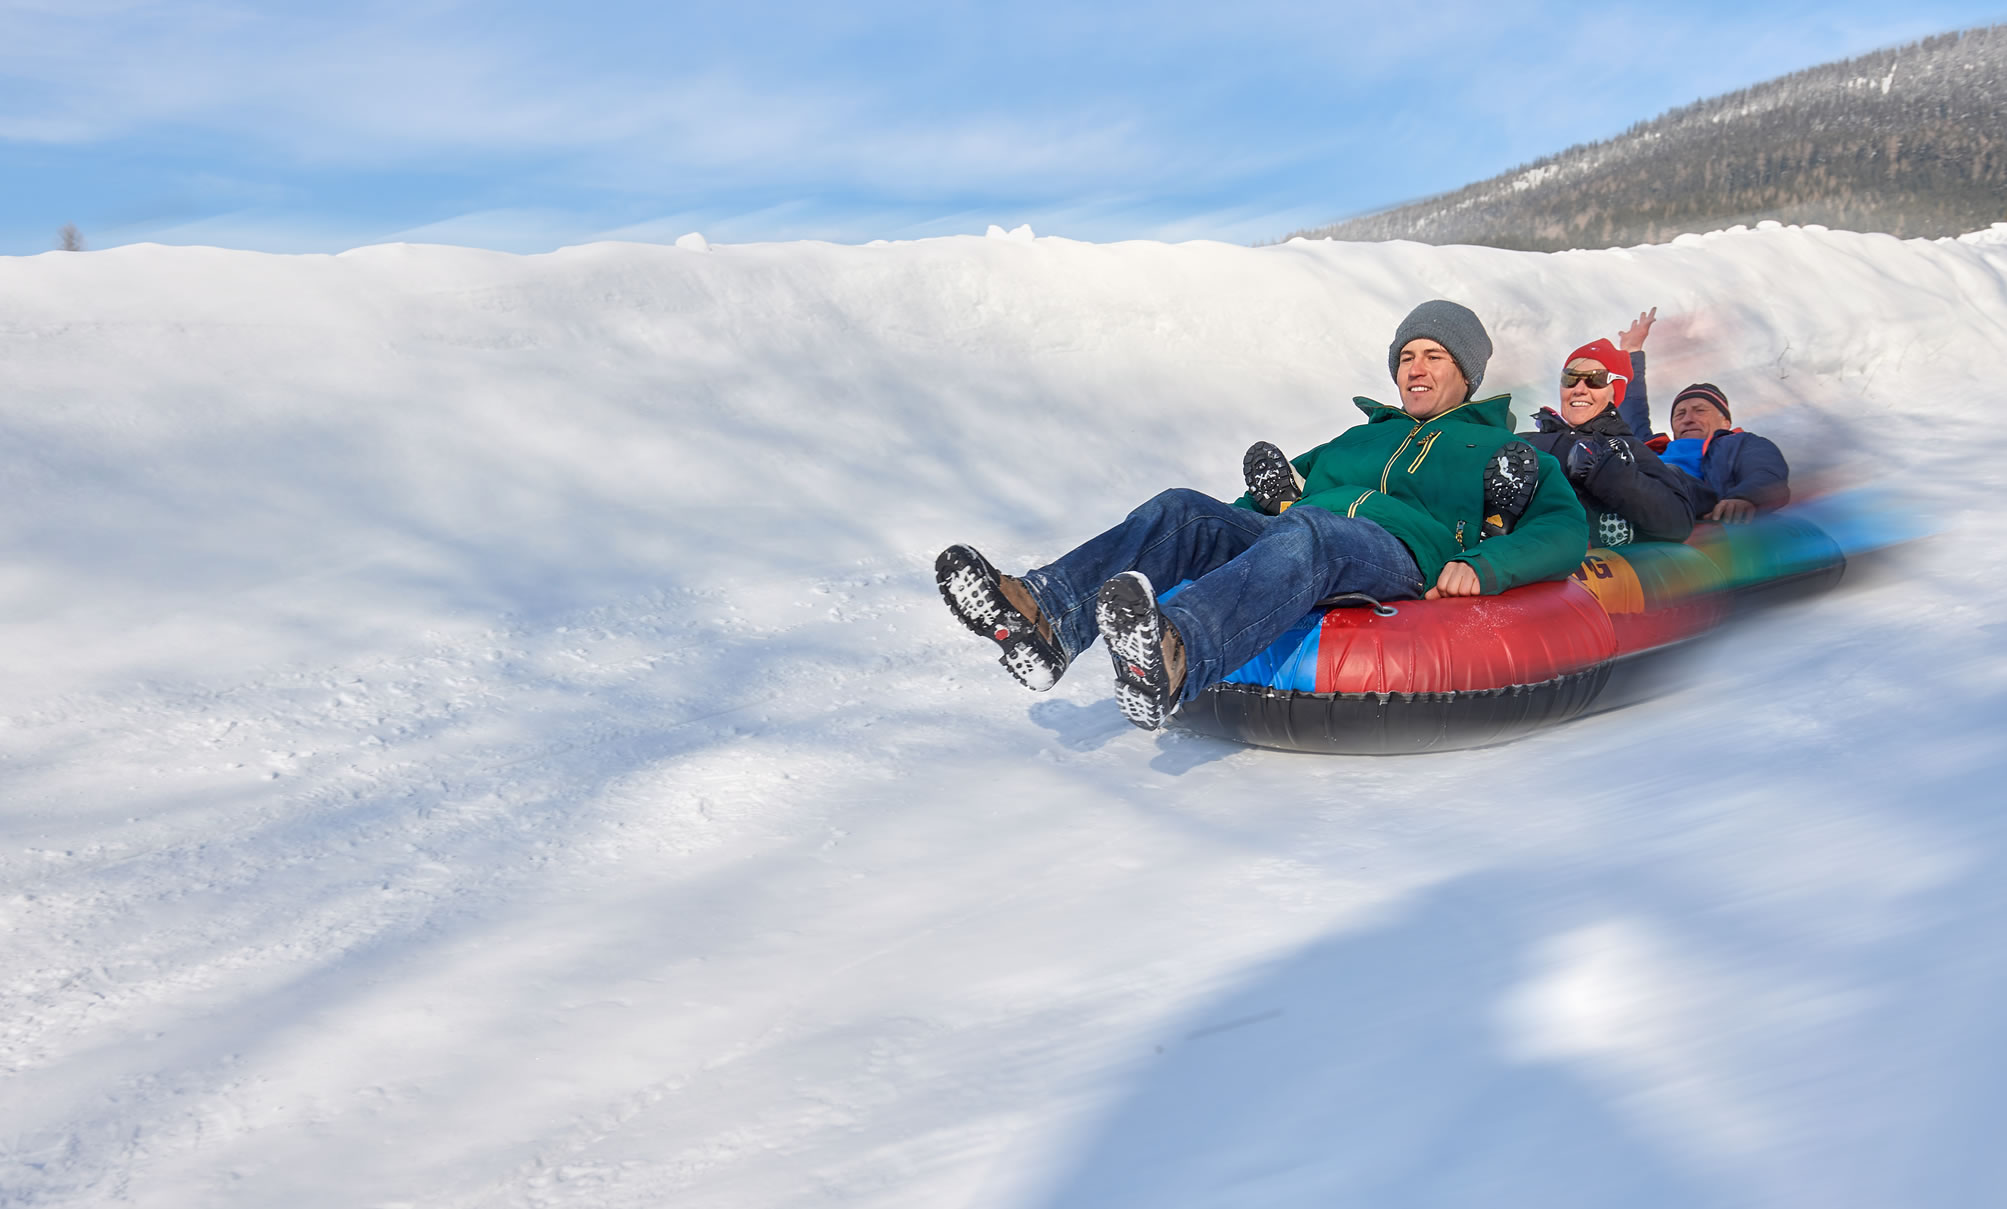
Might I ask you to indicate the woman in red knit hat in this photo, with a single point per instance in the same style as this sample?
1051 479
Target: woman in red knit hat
1629 494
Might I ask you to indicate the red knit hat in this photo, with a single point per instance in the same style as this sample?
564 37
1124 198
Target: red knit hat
1610 357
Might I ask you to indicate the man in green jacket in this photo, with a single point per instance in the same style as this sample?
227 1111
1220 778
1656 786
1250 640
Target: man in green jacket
1393 508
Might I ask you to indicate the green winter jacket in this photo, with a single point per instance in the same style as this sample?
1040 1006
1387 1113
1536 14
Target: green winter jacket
1424 483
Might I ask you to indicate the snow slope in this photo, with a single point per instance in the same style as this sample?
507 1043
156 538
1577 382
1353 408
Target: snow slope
480 731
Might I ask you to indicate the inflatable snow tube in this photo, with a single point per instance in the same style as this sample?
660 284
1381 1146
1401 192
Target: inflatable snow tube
1655 593
1780 557
1439 675
1418 675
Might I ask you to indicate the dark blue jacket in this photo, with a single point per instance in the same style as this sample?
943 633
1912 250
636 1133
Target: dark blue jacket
1734 464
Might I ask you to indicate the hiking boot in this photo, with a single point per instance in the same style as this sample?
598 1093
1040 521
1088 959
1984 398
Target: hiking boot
1510 475
1272 483
1148 654
1000 608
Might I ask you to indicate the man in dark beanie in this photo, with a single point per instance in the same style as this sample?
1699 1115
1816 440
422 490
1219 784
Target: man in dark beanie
1706 397
1397 507
1741 473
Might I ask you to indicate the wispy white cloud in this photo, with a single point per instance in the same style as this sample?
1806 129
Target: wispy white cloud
522 229
388 86
824 120
253 230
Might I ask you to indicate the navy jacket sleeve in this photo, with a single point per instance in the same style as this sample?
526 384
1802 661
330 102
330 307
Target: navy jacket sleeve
1756 471
1636 409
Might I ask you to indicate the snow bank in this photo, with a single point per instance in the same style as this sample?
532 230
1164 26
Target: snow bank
481 731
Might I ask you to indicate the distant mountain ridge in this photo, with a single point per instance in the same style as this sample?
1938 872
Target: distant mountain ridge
1911 141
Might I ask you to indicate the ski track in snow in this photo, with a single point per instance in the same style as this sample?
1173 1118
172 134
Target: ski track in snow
484 732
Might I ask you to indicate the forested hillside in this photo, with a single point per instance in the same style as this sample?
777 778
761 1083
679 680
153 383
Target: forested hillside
1910 141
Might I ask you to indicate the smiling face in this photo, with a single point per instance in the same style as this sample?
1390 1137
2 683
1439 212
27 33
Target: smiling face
1696 417
1428 378
1581 401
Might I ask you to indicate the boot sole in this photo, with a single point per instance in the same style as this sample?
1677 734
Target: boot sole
1270 477
968 586
1510 476
1132 629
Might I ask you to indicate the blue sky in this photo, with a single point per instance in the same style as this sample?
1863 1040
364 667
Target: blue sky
528 126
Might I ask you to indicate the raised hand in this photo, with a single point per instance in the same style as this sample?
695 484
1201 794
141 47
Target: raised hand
1632 340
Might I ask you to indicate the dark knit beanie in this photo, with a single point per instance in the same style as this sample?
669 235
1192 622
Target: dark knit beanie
1708 391
1452 326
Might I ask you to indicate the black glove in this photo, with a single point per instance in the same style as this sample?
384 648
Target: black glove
1587 455
1272 483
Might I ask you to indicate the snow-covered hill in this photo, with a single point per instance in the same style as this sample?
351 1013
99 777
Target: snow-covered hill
480 731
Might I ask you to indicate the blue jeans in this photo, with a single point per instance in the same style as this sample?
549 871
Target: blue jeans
1253 576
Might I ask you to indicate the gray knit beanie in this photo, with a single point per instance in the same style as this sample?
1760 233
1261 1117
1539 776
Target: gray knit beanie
1454 327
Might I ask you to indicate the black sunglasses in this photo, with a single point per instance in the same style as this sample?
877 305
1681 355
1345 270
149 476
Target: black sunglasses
1596 378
